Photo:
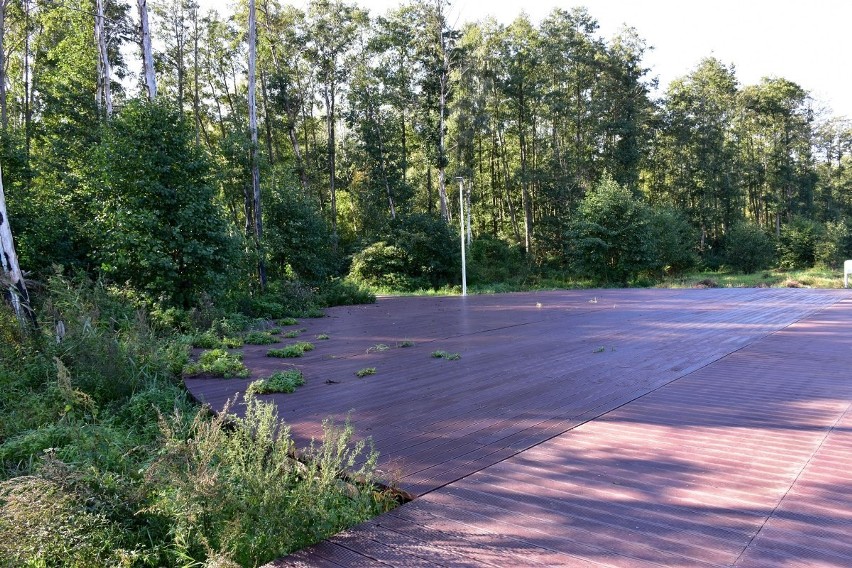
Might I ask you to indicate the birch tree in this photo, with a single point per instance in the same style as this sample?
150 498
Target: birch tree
255 165
147 55
17 289
104 72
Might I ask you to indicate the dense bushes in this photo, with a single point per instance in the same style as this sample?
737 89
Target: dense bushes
748 248
105 462
615 236
413 252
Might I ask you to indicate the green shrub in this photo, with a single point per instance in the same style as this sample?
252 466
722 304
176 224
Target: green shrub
672 242
797 247
342 292
365 372
611 240
259 338
219 363
288 321
494 260
835 245
292 350
43 523
748 248
236 492
412 253
282 381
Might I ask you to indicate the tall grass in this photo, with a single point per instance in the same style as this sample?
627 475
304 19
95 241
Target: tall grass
104 461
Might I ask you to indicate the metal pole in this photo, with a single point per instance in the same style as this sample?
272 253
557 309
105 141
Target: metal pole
461 233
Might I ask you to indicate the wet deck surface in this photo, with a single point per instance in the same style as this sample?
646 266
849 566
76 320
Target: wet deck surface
589 428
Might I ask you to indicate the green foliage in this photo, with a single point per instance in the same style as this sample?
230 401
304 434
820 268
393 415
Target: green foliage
156 225
446 355
611 235
835 245
236 491
282 381
210 340
323 337
292 334
292 350
748 248
43 523
672 241
797 247
288 321
259 338
343 292
296 238
494 260
414 252
219 363
365 372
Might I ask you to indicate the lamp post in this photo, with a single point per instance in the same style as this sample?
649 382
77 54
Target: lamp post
461 233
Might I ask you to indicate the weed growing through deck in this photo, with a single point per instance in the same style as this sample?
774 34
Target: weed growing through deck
288 321
219 363
405 343
377 348
259 338
292 350
323 336
446 355
600 349
293 333
365 372
282 381
209 340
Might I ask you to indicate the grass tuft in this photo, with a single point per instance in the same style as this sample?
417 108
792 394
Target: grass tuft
446 355
323 336
219 363
292 350
282 381
365 372
259 338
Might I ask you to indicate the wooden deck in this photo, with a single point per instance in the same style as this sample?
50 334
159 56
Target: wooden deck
592 428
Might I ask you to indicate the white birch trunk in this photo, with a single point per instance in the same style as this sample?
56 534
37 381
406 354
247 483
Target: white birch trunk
255 165
18 294
147 54
105 97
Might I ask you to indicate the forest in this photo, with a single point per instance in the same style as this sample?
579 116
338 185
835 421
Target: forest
172 176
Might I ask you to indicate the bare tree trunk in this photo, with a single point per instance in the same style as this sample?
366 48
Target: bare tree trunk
104 91
147 54
329 105
255 165
17 293
4 117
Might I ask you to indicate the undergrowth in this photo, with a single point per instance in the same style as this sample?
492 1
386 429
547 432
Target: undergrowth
282 381
104 460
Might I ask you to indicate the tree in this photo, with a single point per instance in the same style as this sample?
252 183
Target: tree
157 226
17 293
334 27
611 236
147 54
255 158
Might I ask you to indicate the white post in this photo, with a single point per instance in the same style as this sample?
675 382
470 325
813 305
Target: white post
847 270
461 233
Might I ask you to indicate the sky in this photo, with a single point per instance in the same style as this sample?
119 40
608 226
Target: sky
809 43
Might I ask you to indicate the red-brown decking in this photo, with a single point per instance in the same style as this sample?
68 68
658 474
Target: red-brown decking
589 428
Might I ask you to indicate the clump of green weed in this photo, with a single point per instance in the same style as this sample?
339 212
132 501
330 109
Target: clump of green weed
292 350
446 355
323 336
365 372
293 333
405 343
282 381
378 348
237 492
288 321
259 338
219 363
210 340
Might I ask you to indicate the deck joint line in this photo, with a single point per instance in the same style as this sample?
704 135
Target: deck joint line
795 480
811 313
